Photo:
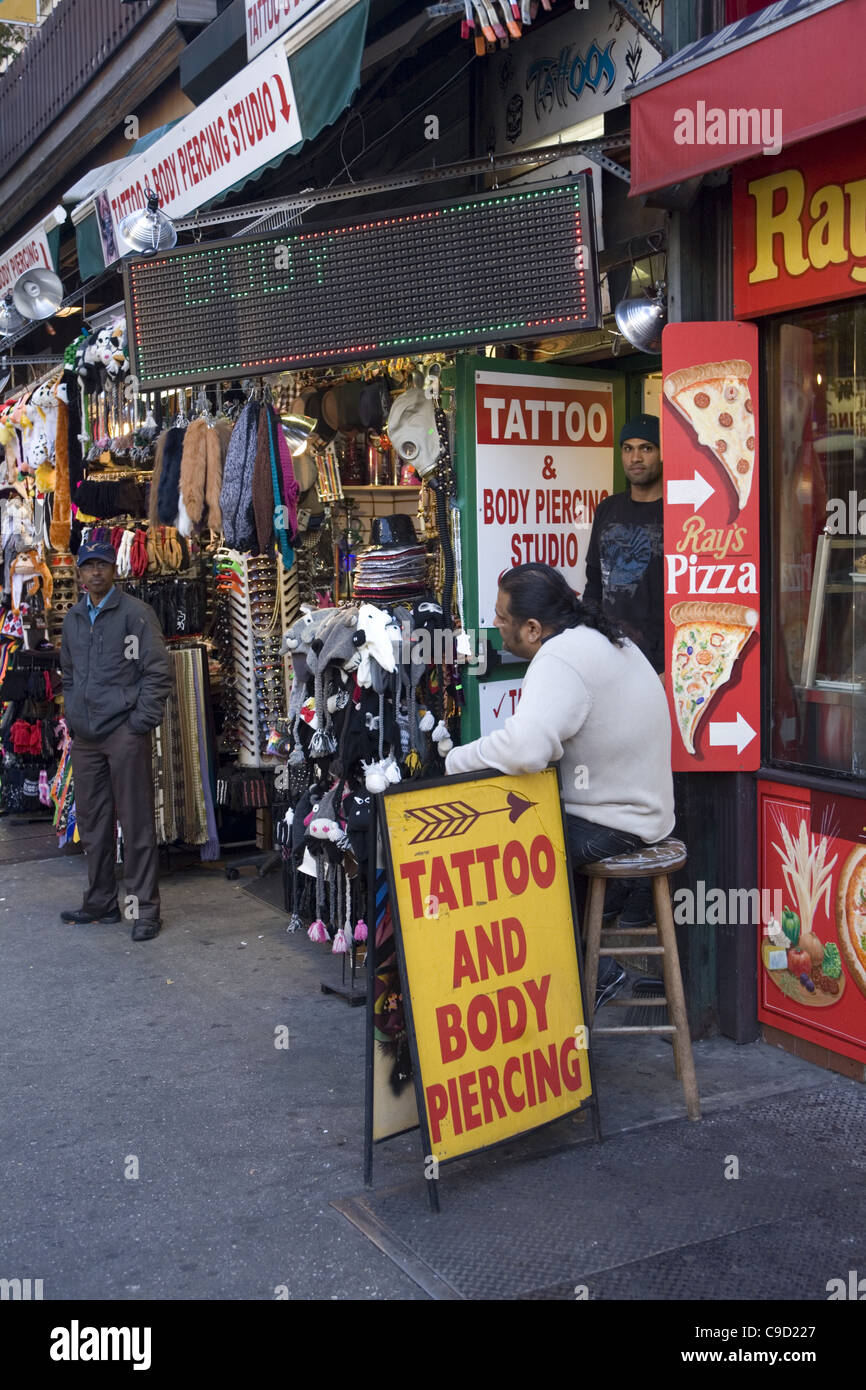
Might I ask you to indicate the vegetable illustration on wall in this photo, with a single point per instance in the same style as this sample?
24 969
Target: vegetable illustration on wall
805 965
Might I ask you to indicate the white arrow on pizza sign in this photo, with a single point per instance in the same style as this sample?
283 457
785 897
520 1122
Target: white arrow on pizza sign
689 492
740 733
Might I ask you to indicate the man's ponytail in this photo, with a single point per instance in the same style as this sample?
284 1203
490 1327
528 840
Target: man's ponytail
541 592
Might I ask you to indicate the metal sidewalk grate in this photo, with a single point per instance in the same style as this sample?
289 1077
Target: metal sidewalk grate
649 1214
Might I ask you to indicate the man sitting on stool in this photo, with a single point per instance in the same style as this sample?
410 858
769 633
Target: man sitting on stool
592 703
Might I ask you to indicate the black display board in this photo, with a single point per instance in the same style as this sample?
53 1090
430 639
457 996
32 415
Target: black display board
501 266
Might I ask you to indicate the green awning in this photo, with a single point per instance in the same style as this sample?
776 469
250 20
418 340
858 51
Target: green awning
87 240
326 74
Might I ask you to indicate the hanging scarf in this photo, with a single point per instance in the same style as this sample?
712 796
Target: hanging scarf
263 486
282 519
237 485
290 489
168 496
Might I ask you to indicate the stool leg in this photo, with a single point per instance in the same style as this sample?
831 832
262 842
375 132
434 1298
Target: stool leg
594 914
676 996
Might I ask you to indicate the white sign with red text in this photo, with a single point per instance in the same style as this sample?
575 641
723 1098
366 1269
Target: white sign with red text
267 19
31 251
497 701
248 122
543 462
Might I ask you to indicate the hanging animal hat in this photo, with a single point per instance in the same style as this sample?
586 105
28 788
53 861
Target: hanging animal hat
297 638
384 772
411 670
333 645
325 824
86 361
376 637
28 568
296 642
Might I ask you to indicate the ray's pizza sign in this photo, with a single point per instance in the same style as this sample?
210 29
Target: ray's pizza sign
800 225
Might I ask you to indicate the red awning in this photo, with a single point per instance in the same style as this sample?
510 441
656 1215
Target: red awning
748 88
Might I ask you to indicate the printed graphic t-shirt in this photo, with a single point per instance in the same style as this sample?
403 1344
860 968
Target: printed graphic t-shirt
625 570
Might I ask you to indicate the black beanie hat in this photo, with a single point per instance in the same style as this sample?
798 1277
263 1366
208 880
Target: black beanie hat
641 427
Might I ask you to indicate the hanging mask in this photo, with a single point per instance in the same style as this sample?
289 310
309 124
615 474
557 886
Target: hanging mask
413 432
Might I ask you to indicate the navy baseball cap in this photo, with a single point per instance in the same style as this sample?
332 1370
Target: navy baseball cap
641 427
99 550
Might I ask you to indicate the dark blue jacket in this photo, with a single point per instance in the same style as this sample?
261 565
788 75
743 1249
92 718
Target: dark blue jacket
115 669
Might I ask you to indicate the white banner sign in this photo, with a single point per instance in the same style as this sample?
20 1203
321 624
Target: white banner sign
248 122
497 701
543 462
267 19
32 250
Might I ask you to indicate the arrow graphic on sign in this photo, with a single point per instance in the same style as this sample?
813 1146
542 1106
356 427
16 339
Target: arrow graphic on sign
739 733
690 492
285 104
451 818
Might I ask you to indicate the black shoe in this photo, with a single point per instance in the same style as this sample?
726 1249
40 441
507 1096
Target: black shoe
86 919
146 931
604 993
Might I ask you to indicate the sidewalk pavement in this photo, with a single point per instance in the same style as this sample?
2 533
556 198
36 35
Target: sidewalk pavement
159 1058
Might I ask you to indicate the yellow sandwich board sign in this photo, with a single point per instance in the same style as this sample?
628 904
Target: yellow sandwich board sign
483 909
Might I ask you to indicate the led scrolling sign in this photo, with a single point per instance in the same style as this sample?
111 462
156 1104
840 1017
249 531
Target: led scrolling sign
492 268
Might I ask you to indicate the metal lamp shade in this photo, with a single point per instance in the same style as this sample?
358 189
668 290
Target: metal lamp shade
641 321
297 429
37 294
10 319
148 231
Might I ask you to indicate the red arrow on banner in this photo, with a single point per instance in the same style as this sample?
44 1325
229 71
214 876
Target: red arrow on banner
285 104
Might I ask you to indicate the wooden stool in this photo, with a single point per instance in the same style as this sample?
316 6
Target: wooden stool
655 862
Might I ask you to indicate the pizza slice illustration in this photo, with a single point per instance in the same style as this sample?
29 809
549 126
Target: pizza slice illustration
708 639
716 401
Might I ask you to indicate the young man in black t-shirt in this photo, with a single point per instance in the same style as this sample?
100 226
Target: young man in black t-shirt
625 580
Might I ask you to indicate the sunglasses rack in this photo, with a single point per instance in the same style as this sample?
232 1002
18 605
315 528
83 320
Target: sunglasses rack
263 600
65 595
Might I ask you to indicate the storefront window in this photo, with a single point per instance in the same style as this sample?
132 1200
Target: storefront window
816 398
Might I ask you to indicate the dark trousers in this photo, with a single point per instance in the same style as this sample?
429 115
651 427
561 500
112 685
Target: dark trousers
117 773
586 843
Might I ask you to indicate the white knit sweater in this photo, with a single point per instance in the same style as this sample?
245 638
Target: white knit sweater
600 712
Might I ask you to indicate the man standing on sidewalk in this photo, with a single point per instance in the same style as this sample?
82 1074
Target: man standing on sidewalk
625 582
116 680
